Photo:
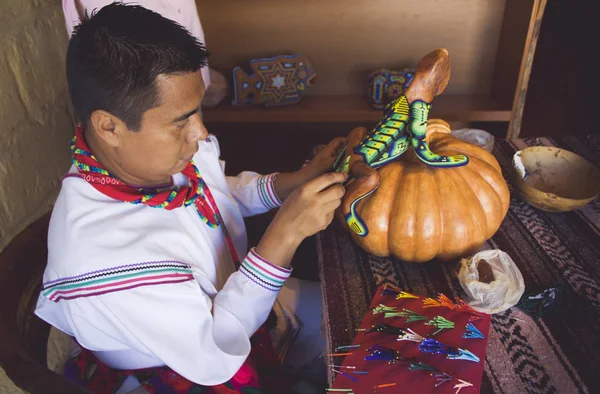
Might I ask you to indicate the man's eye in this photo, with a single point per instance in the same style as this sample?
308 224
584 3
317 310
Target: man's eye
183 123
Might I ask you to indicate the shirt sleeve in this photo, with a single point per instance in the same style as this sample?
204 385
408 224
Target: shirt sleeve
254 193
203 338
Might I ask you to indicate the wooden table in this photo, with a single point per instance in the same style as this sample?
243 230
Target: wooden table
558 352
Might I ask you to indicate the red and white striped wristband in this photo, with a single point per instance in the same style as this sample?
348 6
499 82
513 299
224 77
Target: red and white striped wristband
264 273
266 191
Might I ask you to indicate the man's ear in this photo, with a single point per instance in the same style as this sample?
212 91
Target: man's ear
107 127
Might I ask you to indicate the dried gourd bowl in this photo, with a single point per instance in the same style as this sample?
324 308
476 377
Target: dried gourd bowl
554 179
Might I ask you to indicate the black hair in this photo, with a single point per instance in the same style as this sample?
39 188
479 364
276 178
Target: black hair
115 55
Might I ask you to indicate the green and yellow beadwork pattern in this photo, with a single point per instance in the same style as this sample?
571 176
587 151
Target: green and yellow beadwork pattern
402 125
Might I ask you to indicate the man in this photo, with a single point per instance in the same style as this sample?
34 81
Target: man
145 240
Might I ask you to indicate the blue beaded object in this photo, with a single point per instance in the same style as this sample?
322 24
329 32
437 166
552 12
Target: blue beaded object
275 81
386 85
430 345
472 332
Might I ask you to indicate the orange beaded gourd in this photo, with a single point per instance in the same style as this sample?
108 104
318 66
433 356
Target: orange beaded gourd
420 212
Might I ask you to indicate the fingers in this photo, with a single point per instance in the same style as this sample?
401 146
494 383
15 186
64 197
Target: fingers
359 129
332 193
322 182
332 205
362 169
319 148
328 220
333 147
357 134
337 143
324 221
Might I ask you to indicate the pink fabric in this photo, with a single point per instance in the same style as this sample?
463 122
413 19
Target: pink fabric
183 12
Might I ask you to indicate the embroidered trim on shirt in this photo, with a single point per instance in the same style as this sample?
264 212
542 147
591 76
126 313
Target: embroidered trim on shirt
265 274
119 278
266 191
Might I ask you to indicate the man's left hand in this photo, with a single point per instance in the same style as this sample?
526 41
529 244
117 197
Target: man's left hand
324 159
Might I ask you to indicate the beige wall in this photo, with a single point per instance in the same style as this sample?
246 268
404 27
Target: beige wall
35 116
345 40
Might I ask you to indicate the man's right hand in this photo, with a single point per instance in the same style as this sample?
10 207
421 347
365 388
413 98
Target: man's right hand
307 210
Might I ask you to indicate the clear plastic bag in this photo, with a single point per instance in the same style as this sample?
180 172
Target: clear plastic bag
504 290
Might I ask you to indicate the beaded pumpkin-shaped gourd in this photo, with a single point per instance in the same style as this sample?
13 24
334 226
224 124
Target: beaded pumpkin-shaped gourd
442 199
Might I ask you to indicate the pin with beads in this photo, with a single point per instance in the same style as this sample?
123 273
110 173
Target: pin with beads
386 329
441 301
344 374
462 306
380 386
410 335
384 309
390 290
431 346
439 376
409 315
461 385
382 353
440 323
472 332
346 347
404 294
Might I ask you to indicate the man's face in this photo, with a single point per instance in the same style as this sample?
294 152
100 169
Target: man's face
169 133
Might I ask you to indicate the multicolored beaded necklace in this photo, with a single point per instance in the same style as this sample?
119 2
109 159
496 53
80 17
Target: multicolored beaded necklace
177 196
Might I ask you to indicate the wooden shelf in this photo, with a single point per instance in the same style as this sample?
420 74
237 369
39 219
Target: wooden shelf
491 44
349 108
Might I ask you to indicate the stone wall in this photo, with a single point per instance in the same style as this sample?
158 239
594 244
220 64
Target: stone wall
36 120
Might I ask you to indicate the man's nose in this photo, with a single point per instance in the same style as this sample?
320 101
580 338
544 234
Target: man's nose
197 130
